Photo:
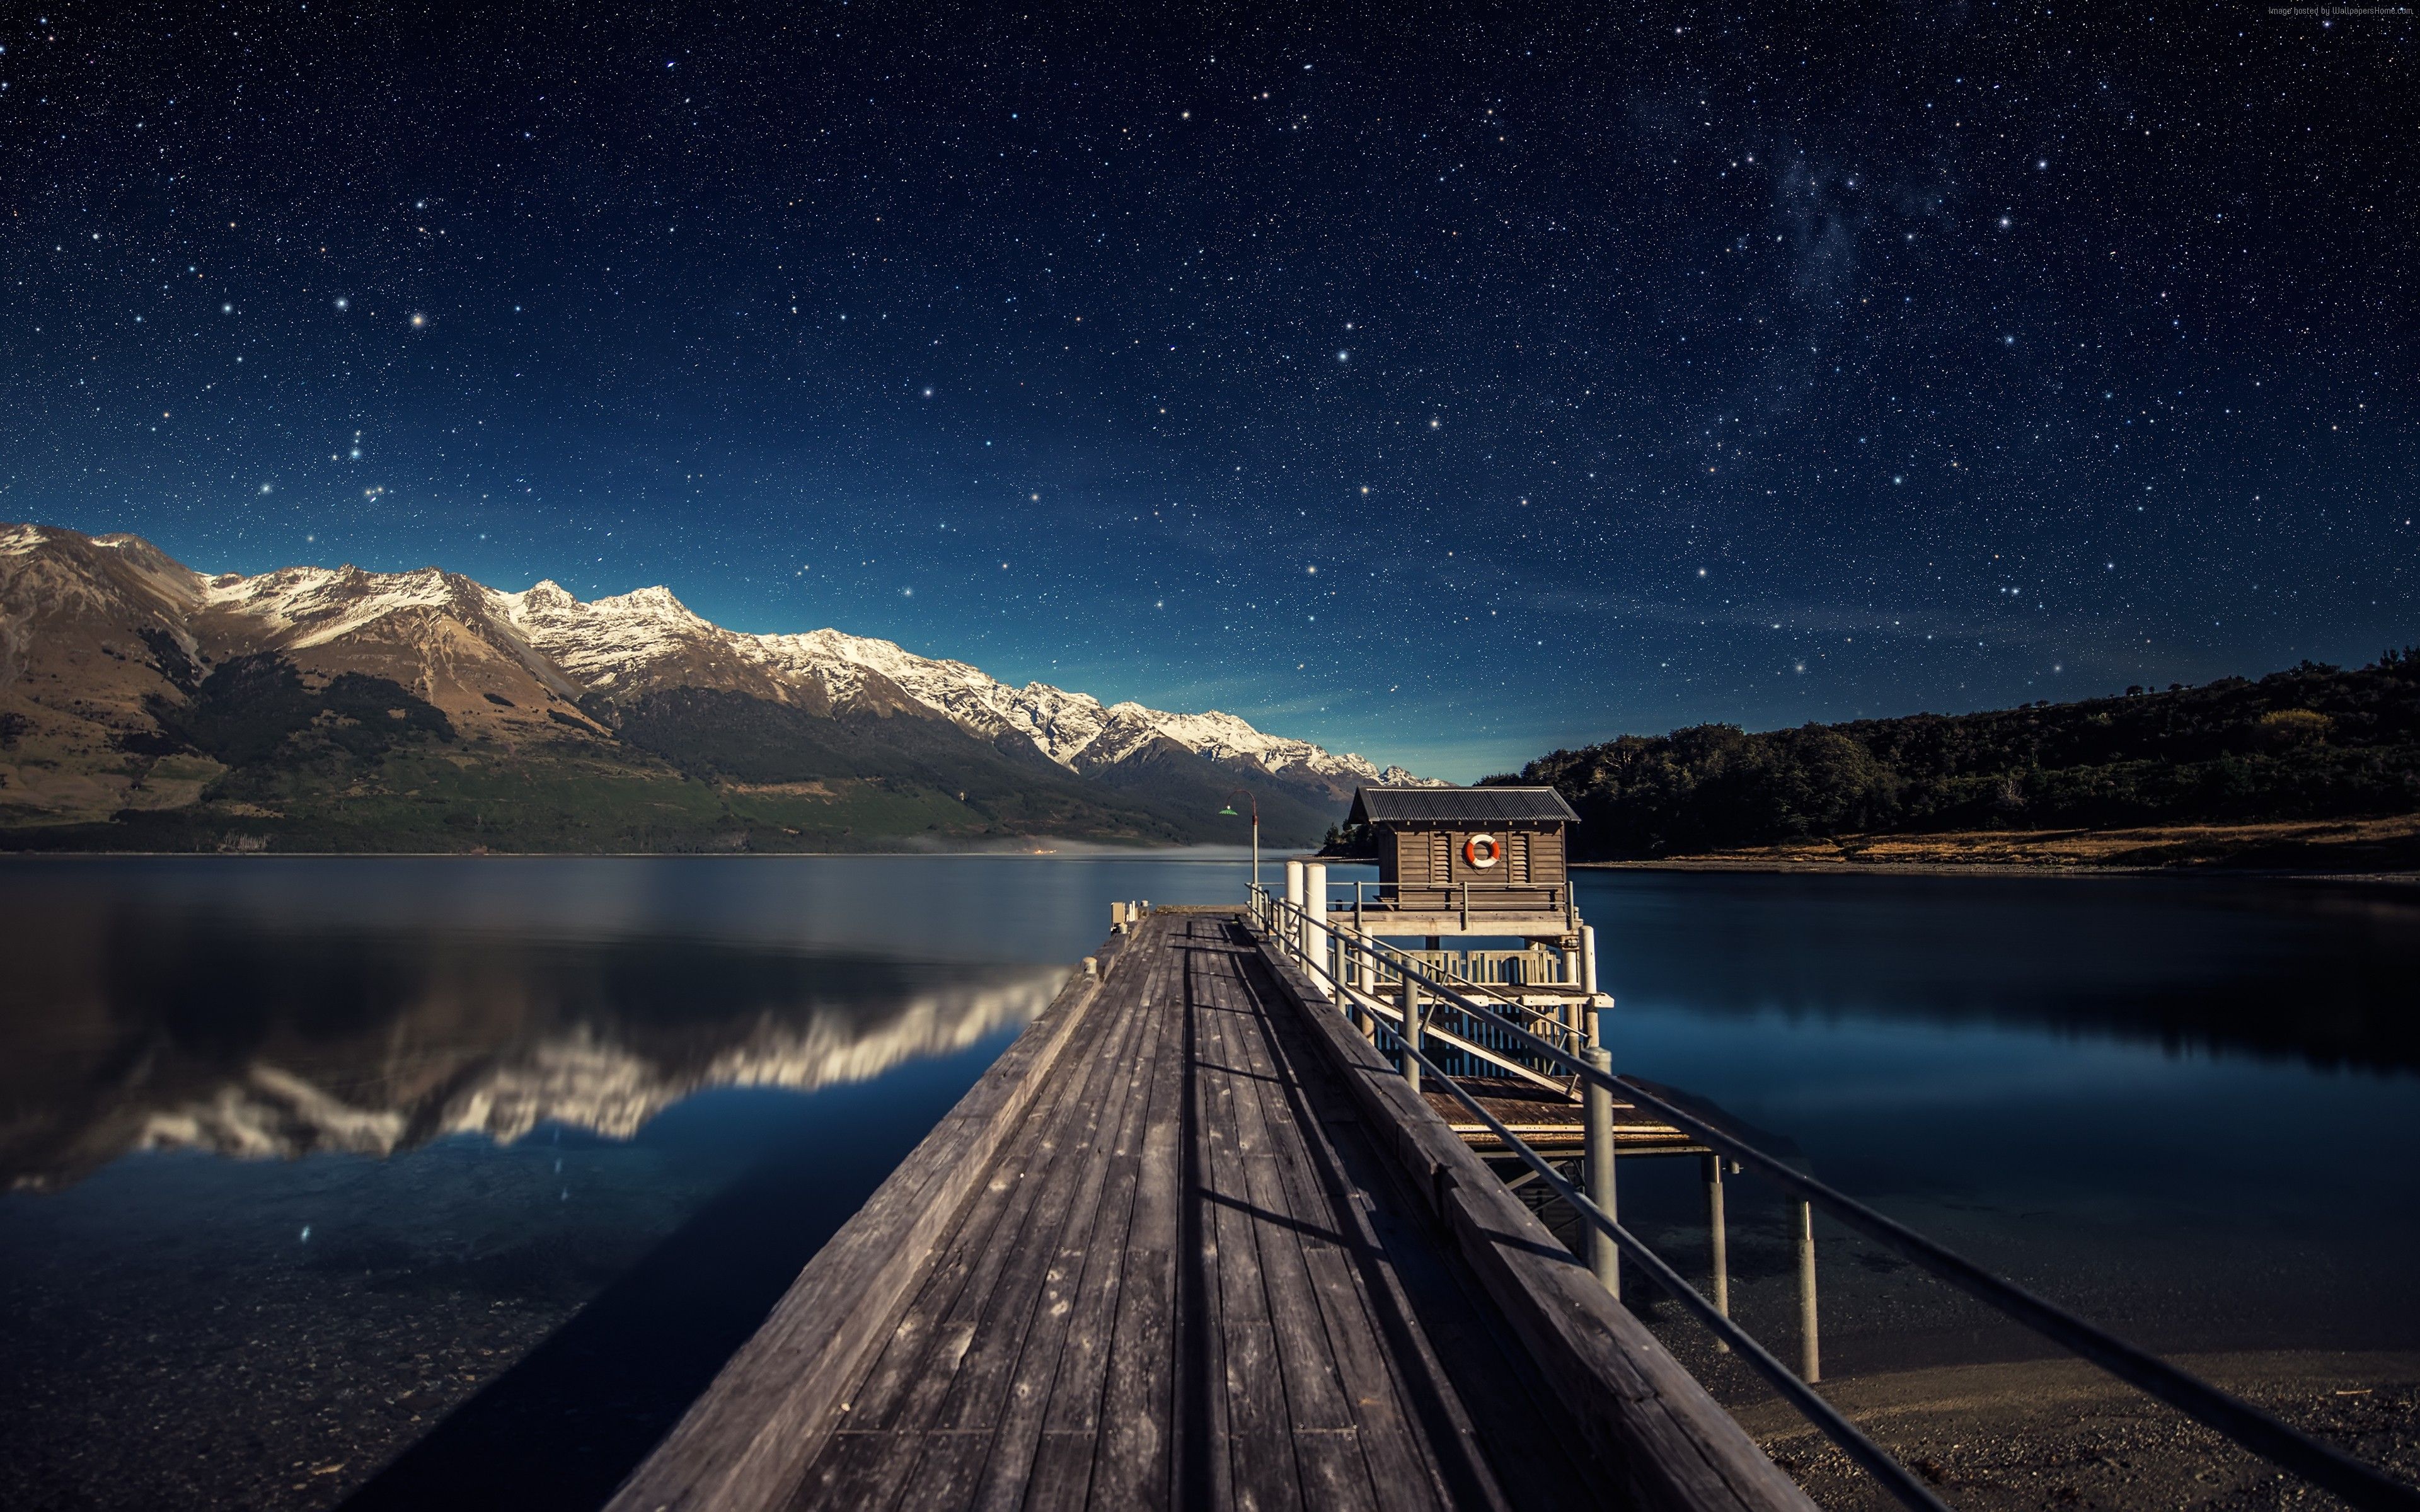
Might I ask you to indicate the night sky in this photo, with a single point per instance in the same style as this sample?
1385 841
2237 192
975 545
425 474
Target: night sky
1444 383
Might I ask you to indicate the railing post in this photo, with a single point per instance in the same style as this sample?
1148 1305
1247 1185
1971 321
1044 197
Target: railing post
1315 924
1597 1136
1810 1358
1289 922
1411 1035
1721 1241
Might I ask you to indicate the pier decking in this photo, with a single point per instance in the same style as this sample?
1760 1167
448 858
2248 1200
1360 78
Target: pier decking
1191 1243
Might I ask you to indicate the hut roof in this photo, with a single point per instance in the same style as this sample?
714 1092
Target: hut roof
1460 806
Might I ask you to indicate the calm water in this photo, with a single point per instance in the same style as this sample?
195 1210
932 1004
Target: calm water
483 1164
2188 1107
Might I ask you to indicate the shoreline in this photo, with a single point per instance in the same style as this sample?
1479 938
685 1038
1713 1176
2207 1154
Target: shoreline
2401 876
2376 849
1194 855
2061 1432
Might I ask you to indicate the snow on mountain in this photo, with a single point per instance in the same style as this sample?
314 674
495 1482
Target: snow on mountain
610 643
314 606
632 642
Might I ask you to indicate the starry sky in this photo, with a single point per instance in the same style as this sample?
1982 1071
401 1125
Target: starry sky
1444 382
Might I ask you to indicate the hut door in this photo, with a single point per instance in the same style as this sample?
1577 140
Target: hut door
1440 860
1516 860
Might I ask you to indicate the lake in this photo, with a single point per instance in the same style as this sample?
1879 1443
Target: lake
382 1178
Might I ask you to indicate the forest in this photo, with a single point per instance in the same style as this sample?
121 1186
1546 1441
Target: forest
2314 740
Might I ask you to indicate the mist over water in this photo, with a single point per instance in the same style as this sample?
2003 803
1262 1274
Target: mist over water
378 1178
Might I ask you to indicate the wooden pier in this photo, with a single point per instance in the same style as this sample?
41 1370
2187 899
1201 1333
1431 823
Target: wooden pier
1193 1243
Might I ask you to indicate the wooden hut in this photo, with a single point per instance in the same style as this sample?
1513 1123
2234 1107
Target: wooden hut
1484 861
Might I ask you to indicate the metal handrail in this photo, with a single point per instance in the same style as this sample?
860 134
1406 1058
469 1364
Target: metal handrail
1896 1478
1381 949
2359 1484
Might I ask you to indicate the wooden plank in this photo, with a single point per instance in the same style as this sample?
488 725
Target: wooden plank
1122 1083
1314 1400
956 1390
1362 1296
1024 1283
1258 1440
1203 1430
1336 1373
1134 1462
1270 1138
1674 1445
746 1440
1061 1469
878 1445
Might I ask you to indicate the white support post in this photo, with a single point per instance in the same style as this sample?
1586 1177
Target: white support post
1588 959
1597 1136
1314 927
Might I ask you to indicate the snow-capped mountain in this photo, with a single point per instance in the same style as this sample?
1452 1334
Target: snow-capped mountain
634 638
108 645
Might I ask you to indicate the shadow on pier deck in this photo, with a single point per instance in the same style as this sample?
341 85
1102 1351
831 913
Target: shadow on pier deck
1192 1243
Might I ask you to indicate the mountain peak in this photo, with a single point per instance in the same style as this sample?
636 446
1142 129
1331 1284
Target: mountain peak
652 603
475 650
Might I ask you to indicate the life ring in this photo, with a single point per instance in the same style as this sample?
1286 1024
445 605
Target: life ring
1483 851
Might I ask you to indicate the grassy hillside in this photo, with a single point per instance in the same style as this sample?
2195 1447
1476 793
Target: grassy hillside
2314 742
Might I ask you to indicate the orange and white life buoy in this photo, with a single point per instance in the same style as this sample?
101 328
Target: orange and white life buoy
1483 851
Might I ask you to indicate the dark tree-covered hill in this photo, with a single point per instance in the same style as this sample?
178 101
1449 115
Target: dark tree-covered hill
2311 742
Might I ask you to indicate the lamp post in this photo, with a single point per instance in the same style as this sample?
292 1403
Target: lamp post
1229 812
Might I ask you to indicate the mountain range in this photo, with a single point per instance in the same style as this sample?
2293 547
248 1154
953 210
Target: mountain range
146 705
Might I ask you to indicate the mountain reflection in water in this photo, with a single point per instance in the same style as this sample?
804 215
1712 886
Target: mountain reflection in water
552 1181
384 1178
205 1031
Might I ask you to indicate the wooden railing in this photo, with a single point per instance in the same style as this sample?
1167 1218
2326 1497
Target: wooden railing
1366 900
